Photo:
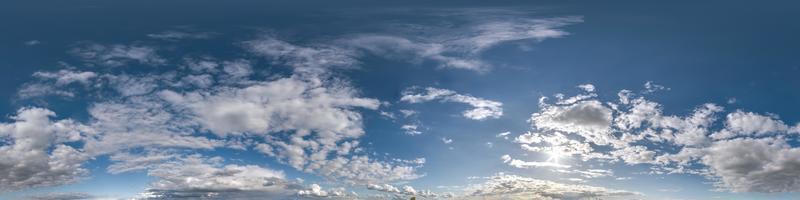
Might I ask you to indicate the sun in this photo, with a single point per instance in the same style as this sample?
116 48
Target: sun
555 154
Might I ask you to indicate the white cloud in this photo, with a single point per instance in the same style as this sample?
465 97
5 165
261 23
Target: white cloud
200 81
117 54
408 113
582 116
635 154
742 123
589 173
313 59
126 161
525 164
140 122
308 120
518 187
557 143
410 129
35 155
302 106
755 165
587 87
748 154
404 191
316 191
650 87
447 140
195 172
237 68
294 104
39 89
194 176
64 77
129 85
590 119
482 108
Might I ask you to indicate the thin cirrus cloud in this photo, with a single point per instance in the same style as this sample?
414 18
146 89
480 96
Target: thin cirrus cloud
482 108
117 54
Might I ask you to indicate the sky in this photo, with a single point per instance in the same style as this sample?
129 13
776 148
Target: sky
246 99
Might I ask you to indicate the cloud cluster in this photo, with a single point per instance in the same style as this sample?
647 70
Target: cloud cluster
747 154
517 187
316 191
32 153
481 108
763 165
309 120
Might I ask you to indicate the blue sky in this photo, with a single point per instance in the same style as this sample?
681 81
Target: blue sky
389 100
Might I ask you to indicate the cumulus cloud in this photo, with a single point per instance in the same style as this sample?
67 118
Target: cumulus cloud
482 108
195 172
748 154
503 135
590 119
447 140
742 123
293 104
194 176
237 68
410 129
32 90
557 143
117 54
309 119
755 165
525 164
316 191
518 187
141 122
32 153
55 83
64 76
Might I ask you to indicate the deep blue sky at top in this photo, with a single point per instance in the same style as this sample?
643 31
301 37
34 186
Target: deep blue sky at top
717 49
